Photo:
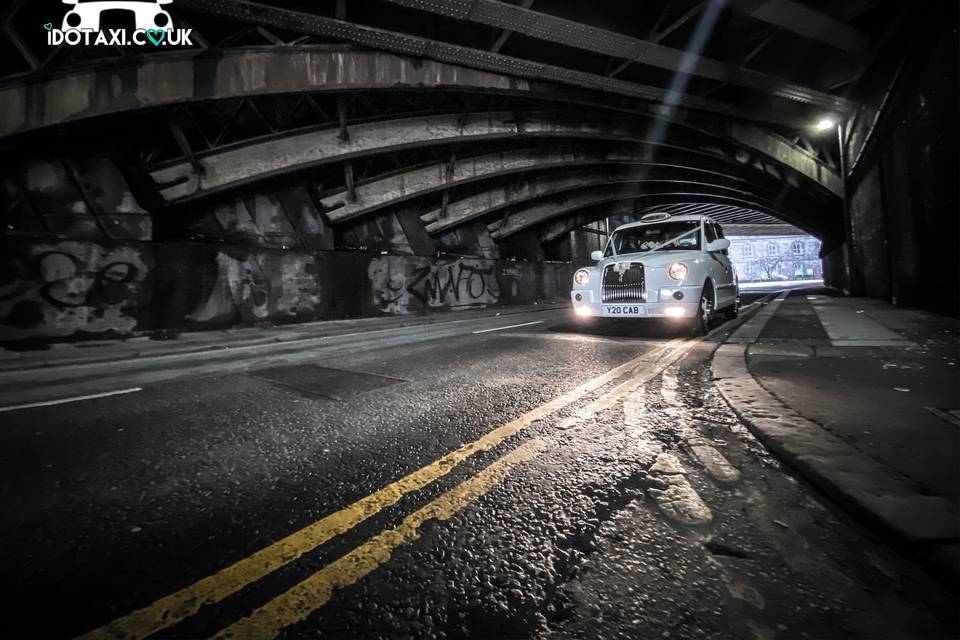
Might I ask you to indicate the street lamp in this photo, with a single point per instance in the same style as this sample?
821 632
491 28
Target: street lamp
825 124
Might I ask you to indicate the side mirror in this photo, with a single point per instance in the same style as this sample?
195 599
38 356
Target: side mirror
720 244
596 256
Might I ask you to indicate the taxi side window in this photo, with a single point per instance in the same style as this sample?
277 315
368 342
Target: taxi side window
719 233
710 231
713 232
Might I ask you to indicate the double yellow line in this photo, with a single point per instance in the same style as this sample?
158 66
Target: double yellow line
307 596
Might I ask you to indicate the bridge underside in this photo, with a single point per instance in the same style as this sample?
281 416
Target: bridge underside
283 142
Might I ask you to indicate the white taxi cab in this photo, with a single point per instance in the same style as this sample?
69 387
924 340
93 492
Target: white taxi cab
660 267
147 14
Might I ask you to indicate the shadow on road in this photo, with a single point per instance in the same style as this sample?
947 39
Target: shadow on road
640 329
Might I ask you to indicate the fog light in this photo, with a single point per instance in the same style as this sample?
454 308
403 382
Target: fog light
582 311
674 312
578 297
678 295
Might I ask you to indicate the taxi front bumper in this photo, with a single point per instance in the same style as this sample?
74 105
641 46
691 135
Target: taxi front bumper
663 304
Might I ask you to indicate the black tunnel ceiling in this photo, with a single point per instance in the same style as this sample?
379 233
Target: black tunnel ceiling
525 116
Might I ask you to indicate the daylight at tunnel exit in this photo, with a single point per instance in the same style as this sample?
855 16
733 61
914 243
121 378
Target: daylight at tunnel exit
479 319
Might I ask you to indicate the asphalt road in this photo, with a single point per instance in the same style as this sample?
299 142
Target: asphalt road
502 477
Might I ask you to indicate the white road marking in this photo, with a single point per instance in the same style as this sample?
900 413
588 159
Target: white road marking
628 387
512 326
48 403
702 451
674 494
634 408
668 391
712 460
737 589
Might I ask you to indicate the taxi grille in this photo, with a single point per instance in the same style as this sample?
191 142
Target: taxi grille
624 286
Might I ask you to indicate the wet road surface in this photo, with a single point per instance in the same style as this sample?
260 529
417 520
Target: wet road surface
493 481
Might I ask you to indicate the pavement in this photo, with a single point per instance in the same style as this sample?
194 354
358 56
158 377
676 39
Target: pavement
861 399
511 476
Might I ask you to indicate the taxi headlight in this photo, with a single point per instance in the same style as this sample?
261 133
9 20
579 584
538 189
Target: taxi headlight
582 277
677 271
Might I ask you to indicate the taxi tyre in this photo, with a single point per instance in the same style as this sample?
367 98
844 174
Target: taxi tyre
733 310
701 323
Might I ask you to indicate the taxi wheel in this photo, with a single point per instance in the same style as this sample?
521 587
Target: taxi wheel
701 323
733 310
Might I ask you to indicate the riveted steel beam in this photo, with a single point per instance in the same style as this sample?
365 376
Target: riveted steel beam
171 79
539 187
398 187
723 213
553 229
807 22
181 78
558 30
303 22
569 204
788 154
234 167
178 78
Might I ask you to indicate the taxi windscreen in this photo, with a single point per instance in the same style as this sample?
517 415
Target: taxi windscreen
665 236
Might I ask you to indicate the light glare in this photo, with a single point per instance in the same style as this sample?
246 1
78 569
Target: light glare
674 312
825 124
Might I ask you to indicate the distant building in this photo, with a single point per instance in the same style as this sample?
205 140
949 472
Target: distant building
781 257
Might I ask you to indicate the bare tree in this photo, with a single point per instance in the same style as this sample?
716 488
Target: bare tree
770 267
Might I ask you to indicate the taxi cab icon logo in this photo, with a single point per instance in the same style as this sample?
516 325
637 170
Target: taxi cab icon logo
149 14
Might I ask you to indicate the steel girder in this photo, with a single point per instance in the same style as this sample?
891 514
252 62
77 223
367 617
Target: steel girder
572 205
237 166
308 23
177 78
553 229
807 22
719 212
557 30
540 187
395 188
788 154
170 79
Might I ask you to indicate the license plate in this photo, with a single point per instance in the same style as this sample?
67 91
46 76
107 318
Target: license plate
624 310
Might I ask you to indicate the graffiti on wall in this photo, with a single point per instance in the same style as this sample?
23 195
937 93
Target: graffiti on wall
81 289
261 286
68 287
397 281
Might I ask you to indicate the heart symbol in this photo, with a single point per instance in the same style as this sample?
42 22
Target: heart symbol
48 26
156 36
